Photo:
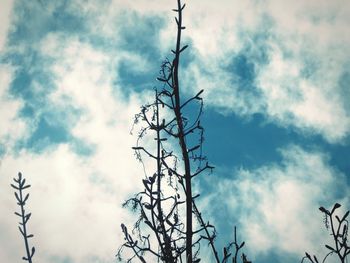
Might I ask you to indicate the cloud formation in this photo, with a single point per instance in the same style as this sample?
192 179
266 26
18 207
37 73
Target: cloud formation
277 204
73 75
80 216
296 63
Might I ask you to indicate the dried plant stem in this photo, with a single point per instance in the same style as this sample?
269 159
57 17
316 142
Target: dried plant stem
21 201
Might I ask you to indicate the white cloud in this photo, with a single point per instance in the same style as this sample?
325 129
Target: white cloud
76 200
75 212
12 127
306 53
309 104
278 203
72 194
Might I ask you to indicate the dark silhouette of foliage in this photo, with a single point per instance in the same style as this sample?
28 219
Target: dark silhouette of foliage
170 227
339 231
20 185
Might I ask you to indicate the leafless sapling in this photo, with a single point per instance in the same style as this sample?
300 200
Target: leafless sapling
170 227
20 185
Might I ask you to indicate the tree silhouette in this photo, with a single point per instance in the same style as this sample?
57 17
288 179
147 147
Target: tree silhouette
170 226
20 186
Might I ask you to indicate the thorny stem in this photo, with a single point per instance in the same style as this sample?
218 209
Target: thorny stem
236 251
335 237
24 217
210 239
167 253
154 223
24 226
182 142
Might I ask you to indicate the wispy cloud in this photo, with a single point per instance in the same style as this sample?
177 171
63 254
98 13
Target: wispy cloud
80 215
296 62
12 128
277 204
74 73
82 194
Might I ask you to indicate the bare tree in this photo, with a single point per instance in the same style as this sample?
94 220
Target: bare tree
170 227
338 228
20 185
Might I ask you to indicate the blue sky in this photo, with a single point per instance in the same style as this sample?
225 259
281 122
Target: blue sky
277 118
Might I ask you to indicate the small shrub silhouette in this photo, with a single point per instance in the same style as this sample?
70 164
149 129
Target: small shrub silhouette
20 185
338 228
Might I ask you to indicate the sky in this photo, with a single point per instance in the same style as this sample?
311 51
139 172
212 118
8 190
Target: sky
276 80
